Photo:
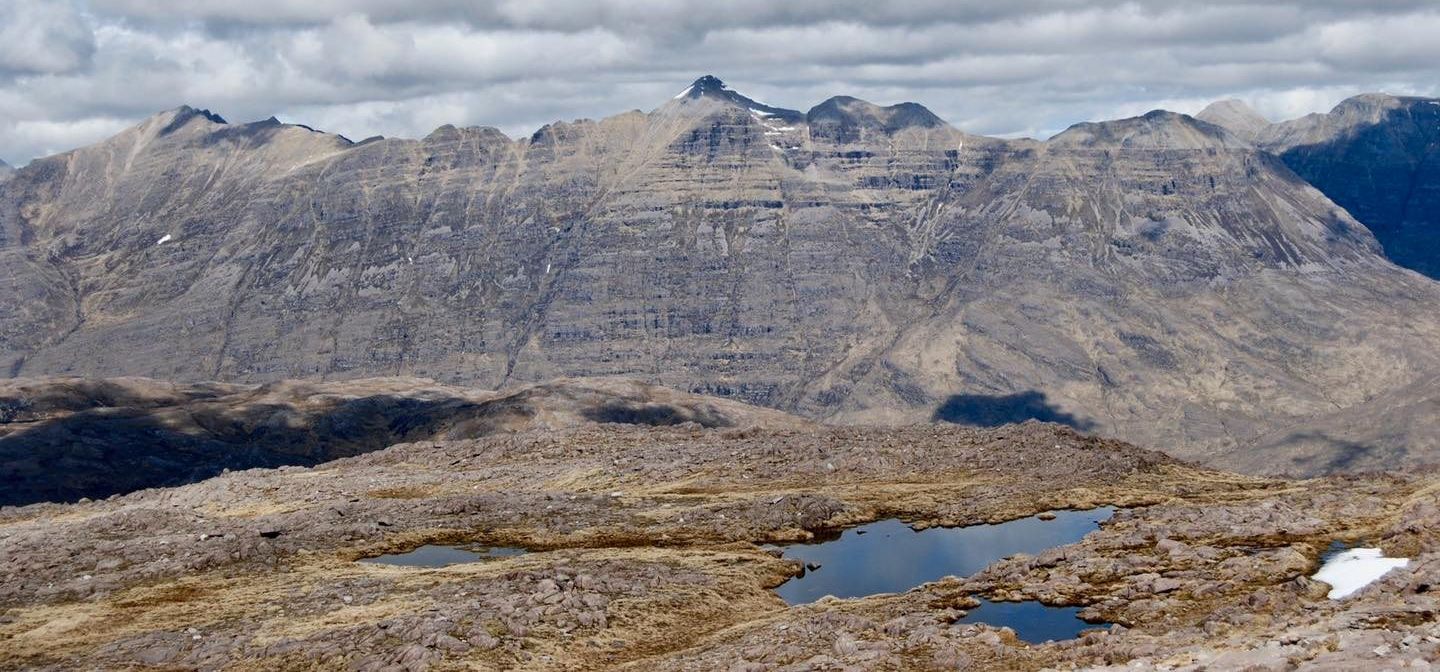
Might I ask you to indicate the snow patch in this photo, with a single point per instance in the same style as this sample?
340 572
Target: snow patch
686 92
163 239
761 114
1354 569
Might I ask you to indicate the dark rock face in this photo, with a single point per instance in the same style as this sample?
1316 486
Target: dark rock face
1378 157
1386 174
710 87
1156 276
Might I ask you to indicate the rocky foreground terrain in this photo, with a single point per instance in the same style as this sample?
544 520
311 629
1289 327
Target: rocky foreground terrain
1158 279
646 554
66 439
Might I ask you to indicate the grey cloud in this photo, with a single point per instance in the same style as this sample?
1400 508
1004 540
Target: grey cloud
43 36
72 72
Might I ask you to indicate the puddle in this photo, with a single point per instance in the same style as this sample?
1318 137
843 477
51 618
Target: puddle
889 557
1032 621
431 555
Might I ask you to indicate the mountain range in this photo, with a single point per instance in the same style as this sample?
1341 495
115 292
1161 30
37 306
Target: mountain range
1378 156
1177 282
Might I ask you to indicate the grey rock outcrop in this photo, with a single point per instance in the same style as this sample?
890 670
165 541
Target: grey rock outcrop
1157 279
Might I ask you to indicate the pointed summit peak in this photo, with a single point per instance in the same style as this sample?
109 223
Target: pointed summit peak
710 88
707 85
174 119
1235 116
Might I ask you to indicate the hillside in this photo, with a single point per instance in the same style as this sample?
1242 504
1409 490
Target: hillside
1376 155
1156 279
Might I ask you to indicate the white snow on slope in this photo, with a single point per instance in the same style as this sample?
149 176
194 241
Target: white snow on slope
686 92
1354 569
163 239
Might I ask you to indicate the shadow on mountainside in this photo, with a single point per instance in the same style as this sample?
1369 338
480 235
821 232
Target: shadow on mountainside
1329 454
987 410
1382 173
76 438
657 415
100 452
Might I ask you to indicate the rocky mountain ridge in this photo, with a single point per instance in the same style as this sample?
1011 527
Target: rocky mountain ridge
1376 155
1156 279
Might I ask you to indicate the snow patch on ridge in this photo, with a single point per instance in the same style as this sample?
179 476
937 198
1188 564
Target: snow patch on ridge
1354 569
164 239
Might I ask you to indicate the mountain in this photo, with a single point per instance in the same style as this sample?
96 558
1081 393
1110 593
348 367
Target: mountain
5 171
1235 116
1376 155
712 90
1157 279
843 119
1159 130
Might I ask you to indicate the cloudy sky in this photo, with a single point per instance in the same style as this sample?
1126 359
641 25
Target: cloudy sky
75 71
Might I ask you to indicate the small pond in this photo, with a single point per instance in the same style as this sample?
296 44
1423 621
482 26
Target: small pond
1032 621
888 556
431 555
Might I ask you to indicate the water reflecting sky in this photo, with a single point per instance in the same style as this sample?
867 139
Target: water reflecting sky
1032 621
888 557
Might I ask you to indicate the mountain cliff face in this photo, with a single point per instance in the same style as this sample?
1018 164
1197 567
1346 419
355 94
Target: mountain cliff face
1157 279
1378 156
